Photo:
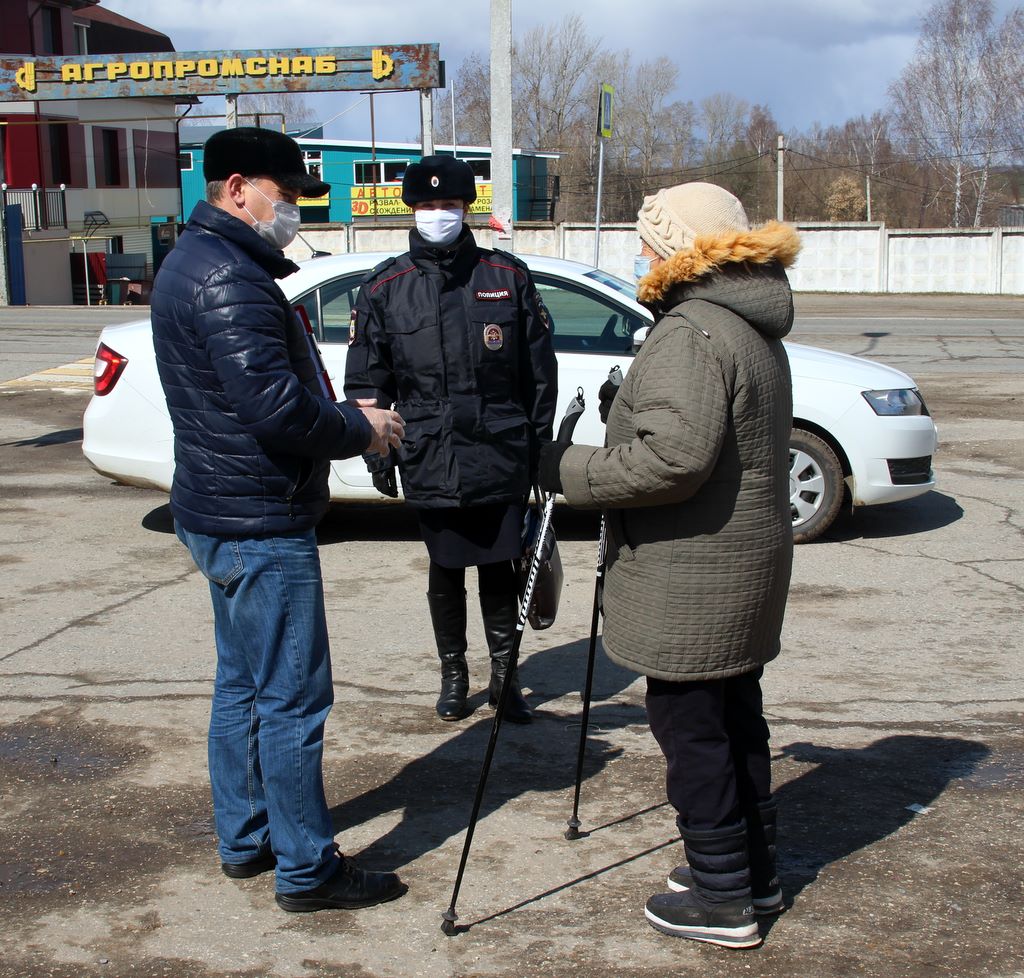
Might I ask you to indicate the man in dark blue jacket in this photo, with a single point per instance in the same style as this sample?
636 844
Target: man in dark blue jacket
253 438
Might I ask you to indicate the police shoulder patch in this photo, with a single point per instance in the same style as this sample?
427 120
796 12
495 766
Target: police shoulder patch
514 259
352 327
377 269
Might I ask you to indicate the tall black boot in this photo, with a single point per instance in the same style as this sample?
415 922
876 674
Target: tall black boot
500 614
717 907
764 881
448 616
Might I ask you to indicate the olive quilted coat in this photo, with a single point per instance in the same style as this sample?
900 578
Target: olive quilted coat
694 476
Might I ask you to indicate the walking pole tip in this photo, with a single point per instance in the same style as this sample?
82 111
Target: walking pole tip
573 831
448 925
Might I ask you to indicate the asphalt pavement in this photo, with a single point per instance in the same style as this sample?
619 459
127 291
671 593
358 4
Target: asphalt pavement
895 710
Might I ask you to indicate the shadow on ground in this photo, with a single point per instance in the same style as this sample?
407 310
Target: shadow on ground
932 511
435 792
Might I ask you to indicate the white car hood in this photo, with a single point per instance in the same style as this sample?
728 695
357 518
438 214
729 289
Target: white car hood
840 368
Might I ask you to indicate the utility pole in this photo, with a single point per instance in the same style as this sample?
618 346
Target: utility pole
779 189
501 119
4 298
605 98
3 220
426 121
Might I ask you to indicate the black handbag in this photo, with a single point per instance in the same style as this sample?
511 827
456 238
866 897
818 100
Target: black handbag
547 589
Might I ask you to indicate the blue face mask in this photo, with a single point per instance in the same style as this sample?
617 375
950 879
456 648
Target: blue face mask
641 266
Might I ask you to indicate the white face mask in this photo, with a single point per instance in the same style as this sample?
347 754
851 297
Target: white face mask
641 266
281 231
439 227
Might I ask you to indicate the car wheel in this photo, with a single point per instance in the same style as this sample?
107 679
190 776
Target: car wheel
815 485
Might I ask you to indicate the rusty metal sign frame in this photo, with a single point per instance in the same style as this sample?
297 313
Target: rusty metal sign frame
392 68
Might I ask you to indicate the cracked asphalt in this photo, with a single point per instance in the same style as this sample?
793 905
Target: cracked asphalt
895 708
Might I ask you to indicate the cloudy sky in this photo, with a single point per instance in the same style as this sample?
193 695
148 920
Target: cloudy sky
808 60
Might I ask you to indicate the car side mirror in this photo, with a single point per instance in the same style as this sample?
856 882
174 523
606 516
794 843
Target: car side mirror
639 336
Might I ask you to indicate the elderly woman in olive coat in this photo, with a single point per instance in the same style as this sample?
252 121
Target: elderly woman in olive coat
695 487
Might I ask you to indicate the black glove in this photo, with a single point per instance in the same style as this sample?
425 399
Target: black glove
605 396
384 482
551 453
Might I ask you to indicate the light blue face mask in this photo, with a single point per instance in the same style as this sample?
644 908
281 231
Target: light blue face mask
641 266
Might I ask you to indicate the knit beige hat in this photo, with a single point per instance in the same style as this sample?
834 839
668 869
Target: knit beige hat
670 219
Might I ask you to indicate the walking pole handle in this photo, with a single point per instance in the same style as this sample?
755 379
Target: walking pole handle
573 413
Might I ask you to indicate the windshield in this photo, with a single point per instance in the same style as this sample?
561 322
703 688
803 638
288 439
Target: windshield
613 282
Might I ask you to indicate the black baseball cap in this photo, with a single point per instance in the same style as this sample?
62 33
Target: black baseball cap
256 152
438 178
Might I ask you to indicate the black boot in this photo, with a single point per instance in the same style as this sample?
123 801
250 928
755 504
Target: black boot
764 881
501 613
448 616
717 907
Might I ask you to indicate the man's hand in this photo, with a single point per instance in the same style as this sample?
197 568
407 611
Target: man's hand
388 426
385 482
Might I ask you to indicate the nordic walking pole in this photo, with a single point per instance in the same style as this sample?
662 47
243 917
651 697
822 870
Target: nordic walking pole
573 831
565 430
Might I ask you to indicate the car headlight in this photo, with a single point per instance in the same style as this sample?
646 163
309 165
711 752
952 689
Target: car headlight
903 402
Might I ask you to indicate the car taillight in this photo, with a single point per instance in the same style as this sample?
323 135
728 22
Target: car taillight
108 368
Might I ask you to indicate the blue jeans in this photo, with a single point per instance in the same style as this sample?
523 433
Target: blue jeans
271 698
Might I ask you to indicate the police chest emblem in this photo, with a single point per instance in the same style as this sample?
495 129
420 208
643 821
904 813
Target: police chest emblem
494 339
352 328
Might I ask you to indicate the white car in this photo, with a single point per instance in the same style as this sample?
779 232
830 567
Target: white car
854 421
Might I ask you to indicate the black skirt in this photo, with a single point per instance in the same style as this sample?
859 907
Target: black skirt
473 536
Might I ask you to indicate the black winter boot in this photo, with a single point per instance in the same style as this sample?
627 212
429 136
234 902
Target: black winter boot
500 614
764 882
717 907
448 616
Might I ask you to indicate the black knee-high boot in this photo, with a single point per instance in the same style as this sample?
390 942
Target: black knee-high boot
500 613
448 616
765 887
717 907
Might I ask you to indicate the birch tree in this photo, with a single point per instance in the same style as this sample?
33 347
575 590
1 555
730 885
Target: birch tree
955 98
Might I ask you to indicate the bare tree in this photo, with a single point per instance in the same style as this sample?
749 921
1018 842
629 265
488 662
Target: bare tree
723 117
471 85
272 109
951 99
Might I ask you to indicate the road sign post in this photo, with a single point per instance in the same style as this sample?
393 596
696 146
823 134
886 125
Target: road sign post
605 105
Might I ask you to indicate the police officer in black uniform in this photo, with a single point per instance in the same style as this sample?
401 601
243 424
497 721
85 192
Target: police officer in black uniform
457 338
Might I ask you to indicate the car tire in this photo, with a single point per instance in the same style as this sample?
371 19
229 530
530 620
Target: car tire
815 485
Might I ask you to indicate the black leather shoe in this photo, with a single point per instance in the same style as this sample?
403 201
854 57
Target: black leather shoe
250 868
348 889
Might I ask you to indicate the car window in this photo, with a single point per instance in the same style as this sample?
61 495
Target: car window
583 322
336 301
330 307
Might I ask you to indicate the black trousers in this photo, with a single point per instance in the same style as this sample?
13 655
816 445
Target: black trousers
715 741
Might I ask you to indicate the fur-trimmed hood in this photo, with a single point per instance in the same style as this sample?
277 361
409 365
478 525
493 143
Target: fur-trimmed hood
741 270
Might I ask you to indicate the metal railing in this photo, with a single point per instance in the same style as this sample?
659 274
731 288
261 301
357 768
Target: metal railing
41 208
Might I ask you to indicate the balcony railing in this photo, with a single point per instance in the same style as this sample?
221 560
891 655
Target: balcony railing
41 208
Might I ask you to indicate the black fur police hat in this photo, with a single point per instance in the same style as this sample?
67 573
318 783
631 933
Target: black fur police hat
259 153
438 178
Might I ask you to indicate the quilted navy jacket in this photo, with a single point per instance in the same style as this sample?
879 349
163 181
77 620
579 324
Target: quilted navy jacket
253 435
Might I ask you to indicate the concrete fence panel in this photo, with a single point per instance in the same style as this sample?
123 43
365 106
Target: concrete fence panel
835 257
